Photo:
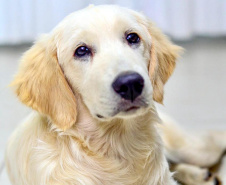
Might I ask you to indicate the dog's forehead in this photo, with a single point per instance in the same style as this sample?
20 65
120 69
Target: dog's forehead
101 18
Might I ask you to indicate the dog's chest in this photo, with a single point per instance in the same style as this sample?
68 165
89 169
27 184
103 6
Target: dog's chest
131 168
119 161
66 160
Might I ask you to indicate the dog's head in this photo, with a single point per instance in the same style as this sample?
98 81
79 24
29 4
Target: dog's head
114 58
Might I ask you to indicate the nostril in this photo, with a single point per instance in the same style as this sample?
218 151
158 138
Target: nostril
123 89
138 86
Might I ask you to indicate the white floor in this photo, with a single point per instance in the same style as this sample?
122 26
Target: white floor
195 96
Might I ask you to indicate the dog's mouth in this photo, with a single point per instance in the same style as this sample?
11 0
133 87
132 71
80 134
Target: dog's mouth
129 110
126 108
132 108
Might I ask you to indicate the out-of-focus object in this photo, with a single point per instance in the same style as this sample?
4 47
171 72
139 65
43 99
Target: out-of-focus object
22 21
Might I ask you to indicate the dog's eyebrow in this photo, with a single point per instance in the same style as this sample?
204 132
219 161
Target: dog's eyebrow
81 44
134 29
129 31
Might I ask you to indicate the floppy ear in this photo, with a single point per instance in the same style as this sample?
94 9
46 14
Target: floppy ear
41 85
162 61
163 56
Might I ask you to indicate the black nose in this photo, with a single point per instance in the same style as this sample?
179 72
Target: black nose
128 85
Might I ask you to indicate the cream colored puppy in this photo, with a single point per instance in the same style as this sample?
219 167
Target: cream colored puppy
92 81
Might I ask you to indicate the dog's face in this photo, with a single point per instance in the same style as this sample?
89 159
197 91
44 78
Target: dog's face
114 58
104 52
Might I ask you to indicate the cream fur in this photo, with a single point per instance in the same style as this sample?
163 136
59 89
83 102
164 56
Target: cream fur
194 156
64 143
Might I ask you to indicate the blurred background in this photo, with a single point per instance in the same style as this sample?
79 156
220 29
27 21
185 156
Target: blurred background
195 95
22 21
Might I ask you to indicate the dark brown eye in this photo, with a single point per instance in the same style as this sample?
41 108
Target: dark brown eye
82 51
133 38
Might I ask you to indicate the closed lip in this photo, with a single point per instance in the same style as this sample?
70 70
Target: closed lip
132 108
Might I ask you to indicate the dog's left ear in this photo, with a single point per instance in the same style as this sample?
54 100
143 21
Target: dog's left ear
162 61
41 84
163 55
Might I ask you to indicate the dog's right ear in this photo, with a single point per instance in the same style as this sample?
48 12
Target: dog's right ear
41 84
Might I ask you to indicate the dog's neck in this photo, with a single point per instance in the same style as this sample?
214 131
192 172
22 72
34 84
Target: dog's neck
120 138
130 147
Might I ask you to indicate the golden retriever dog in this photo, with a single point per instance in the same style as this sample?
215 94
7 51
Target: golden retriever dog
92 83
